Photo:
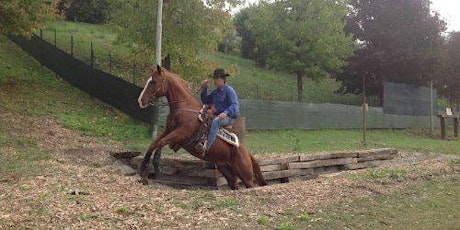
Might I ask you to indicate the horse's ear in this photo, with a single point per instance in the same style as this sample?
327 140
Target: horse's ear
159 69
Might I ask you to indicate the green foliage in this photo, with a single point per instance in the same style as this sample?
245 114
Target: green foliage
304 216
401 41
301 37
90 11
24 17
263 220
386 173
189 28
124 211
286 226
227 203
449 85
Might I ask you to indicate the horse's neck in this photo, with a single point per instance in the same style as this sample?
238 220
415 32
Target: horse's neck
179 97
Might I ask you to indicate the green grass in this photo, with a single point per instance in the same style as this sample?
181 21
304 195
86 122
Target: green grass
428 205
432 205
29 89
324 140
19 156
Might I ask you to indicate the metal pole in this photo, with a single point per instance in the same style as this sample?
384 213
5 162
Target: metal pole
158 60
431 106
159 32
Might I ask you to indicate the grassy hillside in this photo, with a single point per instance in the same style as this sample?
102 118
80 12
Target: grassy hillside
249 81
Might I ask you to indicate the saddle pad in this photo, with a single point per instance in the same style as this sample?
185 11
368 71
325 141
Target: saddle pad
228 137
224 134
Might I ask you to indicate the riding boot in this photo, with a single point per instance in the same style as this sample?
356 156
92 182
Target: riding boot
201 149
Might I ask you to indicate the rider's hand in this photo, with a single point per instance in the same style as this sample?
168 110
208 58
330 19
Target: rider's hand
222 116
204 84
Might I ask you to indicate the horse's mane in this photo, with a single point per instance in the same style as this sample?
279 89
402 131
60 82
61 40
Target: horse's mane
181 82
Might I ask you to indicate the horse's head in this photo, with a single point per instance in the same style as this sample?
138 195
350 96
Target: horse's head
155 87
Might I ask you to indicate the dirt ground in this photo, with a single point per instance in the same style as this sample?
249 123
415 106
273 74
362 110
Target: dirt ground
81 187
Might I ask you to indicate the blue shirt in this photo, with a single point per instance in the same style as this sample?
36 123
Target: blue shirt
224 100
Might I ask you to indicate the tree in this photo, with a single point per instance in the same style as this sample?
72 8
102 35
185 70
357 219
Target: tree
450 86
242 22
190 28
304 37
24 17
90 11
400 41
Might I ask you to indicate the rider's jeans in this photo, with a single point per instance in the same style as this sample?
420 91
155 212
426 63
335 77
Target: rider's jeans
216 123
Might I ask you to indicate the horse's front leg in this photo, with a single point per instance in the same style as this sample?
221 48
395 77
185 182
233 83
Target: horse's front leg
157 145
144 165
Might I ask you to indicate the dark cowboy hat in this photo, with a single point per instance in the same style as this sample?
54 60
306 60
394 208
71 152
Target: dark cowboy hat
220 73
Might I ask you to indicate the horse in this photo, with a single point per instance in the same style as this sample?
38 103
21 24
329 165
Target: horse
183 125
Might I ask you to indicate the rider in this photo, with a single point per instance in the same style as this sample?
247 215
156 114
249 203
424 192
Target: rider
225 102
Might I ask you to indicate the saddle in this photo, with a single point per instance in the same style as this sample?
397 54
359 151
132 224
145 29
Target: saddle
224 133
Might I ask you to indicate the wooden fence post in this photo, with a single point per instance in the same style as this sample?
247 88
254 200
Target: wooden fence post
110 62
71 45
92 56
134 73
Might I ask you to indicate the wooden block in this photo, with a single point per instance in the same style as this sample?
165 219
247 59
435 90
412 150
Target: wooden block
324 156
281 174
284 166
278 160
326 169
125 155
307 172
385 151
377 157
207 173
185 180
269 168
186 163
322 163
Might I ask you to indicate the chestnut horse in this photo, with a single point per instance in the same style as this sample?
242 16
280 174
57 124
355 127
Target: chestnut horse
183 125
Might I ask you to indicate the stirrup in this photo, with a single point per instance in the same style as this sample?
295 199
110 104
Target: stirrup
205 146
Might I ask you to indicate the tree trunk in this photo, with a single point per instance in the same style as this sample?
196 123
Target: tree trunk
299 86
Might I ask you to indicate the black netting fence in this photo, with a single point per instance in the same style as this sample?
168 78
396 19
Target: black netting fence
104 86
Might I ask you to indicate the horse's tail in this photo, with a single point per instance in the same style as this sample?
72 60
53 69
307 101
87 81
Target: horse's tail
257 173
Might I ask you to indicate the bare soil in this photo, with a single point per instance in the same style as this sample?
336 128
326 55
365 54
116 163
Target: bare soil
81 187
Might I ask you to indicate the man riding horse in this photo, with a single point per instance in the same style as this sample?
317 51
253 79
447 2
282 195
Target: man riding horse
185 130
226 106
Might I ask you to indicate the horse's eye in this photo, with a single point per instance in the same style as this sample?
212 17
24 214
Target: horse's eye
153 82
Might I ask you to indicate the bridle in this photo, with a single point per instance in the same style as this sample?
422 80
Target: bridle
159 88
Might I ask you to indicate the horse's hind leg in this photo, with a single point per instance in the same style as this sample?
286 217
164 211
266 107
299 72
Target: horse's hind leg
242 167
227 171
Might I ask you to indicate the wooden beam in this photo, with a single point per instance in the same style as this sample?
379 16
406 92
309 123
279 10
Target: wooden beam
322 163
278 160
324 156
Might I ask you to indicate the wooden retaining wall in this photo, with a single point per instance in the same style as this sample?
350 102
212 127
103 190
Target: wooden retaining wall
274 168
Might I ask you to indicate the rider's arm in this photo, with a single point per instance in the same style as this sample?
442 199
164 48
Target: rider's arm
234 108
205 97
